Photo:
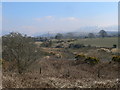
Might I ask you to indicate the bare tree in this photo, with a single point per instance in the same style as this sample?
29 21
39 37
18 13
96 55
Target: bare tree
20 49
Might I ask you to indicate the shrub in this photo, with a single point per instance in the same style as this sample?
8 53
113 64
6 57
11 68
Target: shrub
47 44
59 36
76 46
114 46
91 60
60 46
60 41
116 58
80 57
20 49
89 45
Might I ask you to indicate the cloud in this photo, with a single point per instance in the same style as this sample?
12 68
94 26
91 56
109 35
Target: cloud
28 27
71 19
55 24
44 18
51 18
48 17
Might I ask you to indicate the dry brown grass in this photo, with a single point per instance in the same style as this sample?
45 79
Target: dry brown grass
63 74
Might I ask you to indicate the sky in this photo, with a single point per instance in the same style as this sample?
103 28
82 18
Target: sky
34 18
0 19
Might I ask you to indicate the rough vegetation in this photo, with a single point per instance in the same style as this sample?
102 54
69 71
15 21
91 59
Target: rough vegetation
58 63
116 58
63 74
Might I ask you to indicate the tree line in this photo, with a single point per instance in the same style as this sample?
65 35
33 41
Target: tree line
102 33
71 35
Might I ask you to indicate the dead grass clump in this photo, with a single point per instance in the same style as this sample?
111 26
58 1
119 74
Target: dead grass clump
104 84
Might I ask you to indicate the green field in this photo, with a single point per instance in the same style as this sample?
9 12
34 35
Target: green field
99 42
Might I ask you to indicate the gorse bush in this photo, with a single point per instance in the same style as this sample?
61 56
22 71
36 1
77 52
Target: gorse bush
79 59
85 59
80 56
116 58
91 60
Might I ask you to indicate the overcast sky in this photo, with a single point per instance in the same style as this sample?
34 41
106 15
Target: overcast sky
42 17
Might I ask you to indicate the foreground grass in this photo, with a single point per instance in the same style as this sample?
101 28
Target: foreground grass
35 81
63 74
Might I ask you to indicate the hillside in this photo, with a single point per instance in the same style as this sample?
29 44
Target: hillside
59 63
